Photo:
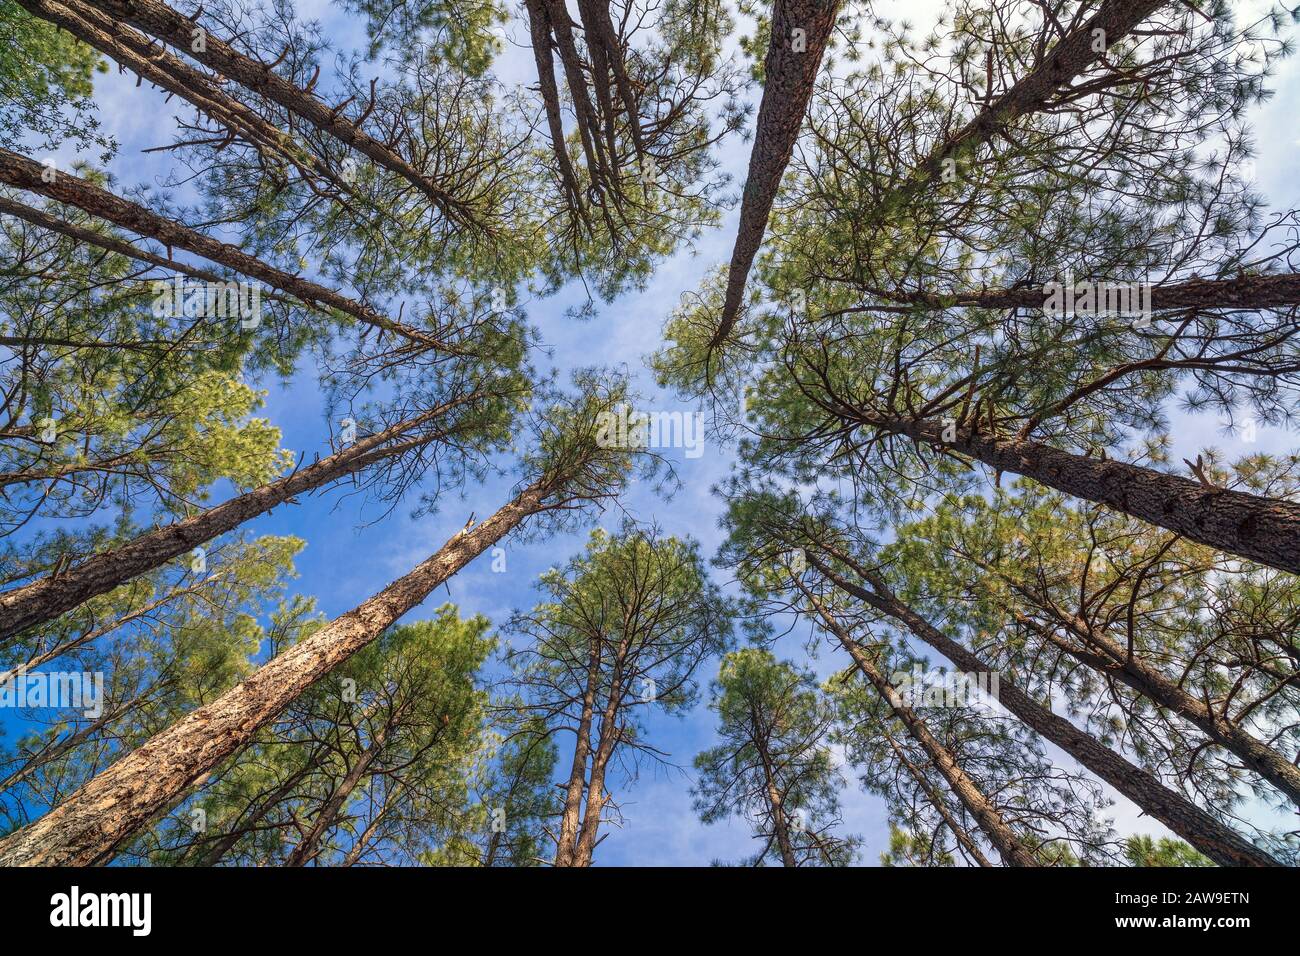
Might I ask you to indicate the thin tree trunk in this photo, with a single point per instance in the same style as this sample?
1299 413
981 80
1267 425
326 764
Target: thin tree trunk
936 801
596 792
774 800
167 24
1001 835
243 826
1220 843
119 801
609 736
1115 661
139 53
23 173
329 812
363 841
1266 530
600 70
47 598
566 845
787 87
111 244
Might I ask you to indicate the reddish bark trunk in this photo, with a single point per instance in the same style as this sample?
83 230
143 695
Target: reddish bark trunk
119 801
31 604
19 171
787 87
1208 835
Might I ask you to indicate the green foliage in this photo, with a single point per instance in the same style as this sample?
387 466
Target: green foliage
1143 850
774 767
45 84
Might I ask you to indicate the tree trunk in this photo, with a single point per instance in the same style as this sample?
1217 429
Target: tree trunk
566 845
167 24
787 87
306 849
609 736
112 244
588 123
47 598
1114 661
540 30
1220 843
119 801
1075 53
936 801
600 32
1249 292
774 801
244 825
23 173
139 53
1001 835
1265 530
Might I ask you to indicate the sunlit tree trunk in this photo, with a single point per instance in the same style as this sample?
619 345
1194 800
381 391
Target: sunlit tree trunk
119 801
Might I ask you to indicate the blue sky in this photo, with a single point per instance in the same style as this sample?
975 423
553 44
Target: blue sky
347 560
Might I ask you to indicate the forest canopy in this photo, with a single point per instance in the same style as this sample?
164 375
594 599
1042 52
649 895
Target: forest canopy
806 433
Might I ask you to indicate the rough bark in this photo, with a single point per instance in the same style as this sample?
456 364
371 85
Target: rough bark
19 171
167 24
119 801
1115 661
111 244
1003 838
1265 530
1252 292
47 598
937 801
787 88
1220 843
566 845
